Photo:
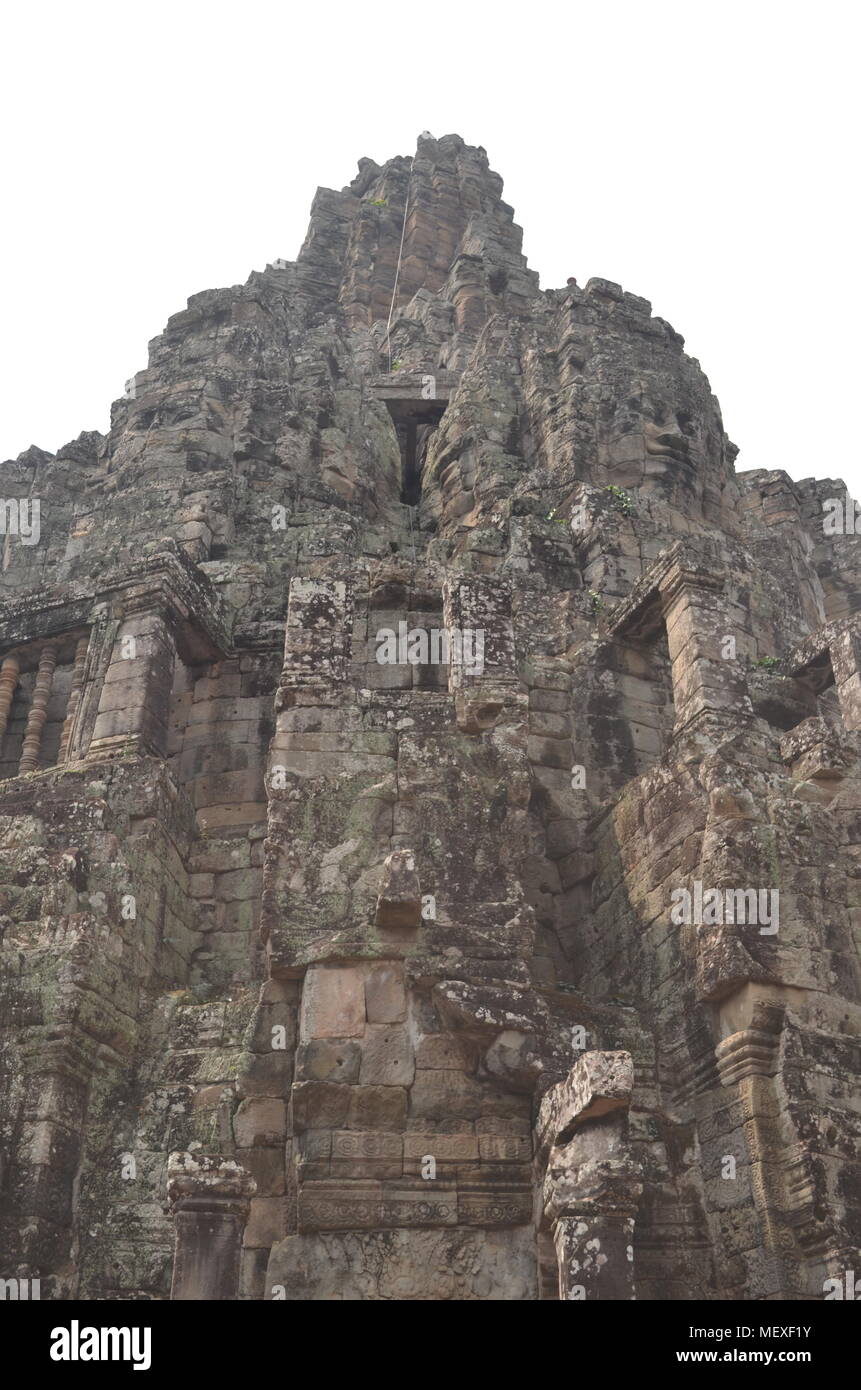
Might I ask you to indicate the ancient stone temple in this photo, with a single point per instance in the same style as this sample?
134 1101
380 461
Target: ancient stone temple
430 815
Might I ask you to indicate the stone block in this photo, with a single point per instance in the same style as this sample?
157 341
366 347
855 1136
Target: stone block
267 1222
320 1105
376 1107
322 1060
260 1121
385 995
493 1206
419 1204
357 1154
387 1056
333 1002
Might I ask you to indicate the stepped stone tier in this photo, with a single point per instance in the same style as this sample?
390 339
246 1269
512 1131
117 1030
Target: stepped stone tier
326 976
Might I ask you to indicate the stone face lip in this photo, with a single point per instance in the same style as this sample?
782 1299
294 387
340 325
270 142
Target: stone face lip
399 904
598 1083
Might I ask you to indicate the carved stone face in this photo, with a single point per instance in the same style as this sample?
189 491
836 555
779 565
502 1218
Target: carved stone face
670 434
644 426
661 434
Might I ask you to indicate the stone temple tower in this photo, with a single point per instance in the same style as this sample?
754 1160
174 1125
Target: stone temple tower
430 815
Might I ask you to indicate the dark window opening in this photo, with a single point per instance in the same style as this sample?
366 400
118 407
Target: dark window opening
416 403
411 478
414 434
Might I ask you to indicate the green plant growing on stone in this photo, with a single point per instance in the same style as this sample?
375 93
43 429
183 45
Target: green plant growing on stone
622 500
768 662
595 599
378 202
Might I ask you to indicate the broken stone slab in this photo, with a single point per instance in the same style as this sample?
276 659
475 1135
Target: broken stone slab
485 1010
597 1083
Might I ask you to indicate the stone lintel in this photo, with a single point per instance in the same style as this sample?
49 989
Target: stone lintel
408 386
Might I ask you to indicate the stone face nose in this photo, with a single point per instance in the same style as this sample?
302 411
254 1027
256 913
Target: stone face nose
667 442
677 442
399 903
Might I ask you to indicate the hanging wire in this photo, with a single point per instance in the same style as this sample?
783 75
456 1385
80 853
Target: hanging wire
412 538
398 268
389 323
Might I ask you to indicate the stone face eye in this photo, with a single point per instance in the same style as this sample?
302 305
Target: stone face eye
686 424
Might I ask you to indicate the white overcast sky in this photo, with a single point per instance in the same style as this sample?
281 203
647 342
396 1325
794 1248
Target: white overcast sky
704 155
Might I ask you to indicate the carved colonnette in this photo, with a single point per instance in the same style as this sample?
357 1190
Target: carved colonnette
590 1184
210 1199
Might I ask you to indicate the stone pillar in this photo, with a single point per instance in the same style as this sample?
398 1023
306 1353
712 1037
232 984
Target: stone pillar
210 1199
38 710
49 1149
134 702
594 1241
318 726
706 684
591 1186
8 683
74 696
747 1064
